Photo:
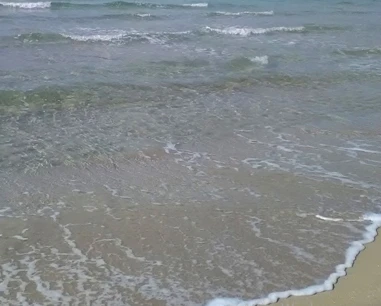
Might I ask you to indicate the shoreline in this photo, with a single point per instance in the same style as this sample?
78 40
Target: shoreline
353 283
361 285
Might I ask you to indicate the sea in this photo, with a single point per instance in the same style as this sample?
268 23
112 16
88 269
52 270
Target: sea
185 153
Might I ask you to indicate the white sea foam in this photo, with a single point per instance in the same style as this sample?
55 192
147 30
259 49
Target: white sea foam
143 15
264 60
355 248
20 237
265 13
96 37
328 219
27 5
252 31
170 147
120 35
196 4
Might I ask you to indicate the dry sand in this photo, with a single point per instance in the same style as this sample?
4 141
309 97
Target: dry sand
361 286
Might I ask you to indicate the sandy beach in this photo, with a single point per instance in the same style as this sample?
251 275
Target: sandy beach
361 286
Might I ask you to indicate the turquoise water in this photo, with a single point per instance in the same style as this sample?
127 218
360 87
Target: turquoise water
171 152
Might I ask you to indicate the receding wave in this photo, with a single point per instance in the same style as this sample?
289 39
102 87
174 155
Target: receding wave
244 31
237 14
26 5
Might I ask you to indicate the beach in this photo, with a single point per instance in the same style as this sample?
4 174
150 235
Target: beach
361 285
174 152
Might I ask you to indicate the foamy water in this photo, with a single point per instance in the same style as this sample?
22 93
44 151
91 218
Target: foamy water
252 31
196 4
26 5
260 59
96 37
340 271
265 13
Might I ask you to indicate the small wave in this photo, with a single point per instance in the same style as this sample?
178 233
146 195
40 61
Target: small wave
264 13
137 16
114 4
104 36
96 37
264 60
121 4
40 37
27 5
252 31
143 15
56 37
196 5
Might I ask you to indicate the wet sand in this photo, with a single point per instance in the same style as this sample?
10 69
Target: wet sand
361 286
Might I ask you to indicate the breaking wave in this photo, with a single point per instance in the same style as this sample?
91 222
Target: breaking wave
264 13
252 31
26 5
108 36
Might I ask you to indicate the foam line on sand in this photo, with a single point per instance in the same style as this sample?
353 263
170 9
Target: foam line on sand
341 297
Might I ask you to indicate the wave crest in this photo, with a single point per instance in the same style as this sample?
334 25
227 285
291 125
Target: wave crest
196 5
27 5
244 32
104 36
95 37
264 13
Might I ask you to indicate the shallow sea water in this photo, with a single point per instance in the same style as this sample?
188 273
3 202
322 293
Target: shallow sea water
172 152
